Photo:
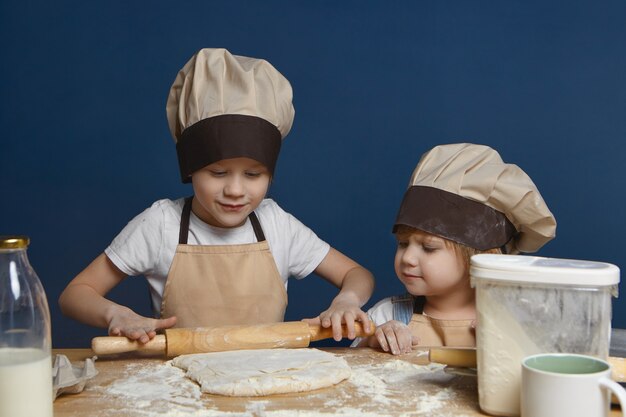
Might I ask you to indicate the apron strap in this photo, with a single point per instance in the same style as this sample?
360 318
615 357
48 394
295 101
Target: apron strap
256 225
418 304
183 232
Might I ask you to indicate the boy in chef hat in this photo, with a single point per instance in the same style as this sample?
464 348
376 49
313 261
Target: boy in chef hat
222 256
462 200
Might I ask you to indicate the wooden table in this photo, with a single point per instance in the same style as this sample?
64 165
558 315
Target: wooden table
381 385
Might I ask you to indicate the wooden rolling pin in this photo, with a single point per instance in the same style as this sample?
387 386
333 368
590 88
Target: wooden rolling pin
175 342
466 358
456 357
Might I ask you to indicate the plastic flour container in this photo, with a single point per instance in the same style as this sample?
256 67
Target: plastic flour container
528 305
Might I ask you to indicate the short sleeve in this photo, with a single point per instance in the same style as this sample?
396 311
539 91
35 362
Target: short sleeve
295 247
307 250
136 249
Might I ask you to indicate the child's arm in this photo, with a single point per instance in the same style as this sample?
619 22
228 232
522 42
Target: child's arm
392 336
356 284
83 300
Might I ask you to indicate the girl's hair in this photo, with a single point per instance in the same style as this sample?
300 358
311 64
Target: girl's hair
464 252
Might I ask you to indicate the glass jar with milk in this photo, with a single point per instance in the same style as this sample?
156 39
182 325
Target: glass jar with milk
25 341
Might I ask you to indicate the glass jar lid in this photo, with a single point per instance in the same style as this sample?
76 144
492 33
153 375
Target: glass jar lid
535 269
14 242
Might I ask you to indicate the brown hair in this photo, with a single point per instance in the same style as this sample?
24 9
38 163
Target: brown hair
464 252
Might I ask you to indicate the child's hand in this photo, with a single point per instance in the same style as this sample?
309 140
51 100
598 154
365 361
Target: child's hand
393 336
342 310
125 322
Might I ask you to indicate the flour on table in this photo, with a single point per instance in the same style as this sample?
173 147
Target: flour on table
263 371
146 386
378 382
394 387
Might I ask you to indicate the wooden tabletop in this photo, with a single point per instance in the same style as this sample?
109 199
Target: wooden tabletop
381 385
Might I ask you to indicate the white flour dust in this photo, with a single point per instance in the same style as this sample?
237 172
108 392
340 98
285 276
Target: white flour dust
380 383
162 390
150 387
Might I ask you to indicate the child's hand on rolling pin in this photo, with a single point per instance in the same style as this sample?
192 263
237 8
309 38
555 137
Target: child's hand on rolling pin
343 310
125 322
393 336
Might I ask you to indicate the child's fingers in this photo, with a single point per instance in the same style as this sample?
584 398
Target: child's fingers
382 340
393 346
348 318
390 335
336 320
404 339
165 323
135 334
365 320
316 321
324 319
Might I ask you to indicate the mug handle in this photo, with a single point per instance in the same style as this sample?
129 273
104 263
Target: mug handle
617 389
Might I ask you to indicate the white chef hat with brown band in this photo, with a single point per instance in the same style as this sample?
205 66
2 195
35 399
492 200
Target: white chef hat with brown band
466 193
224 106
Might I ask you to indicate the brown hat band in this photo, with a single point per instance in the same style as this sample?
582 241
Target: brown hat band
453 217
224 137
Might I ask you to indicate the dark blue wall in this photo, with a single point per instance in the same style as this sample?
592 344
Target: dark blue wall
84 144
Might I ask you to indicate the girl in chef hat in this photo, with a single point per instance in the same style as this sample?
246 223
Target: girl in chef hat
462 200
223 255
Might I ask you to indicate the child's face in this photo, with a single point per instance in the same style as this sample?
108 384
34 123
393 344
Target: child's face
427 266
227 191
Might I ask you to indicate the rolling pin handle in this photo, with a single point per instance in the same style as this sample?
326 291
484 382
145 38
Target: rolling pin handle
457 357
108 345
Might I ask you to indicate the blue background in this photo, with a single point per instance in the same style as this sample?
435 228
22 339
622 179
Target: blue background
84 143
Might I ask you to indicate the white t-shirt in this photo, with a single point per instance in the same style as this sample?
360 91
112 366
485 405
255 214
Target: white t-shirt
147 244
381 312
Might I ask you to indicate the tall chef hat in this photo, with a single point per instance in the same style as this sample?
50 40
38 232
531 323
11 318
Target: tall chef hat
466 193
225 106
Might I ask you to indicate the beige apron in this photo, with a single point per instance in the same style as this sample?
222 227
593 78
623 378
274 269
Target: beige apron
435 332
213 285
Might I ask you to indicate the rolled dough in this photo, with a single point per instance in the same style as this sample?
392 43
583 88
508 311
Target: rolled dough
263 371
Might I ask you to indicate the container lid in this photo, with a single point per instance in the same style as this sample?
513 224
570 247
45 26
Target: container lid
523 268
14 242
